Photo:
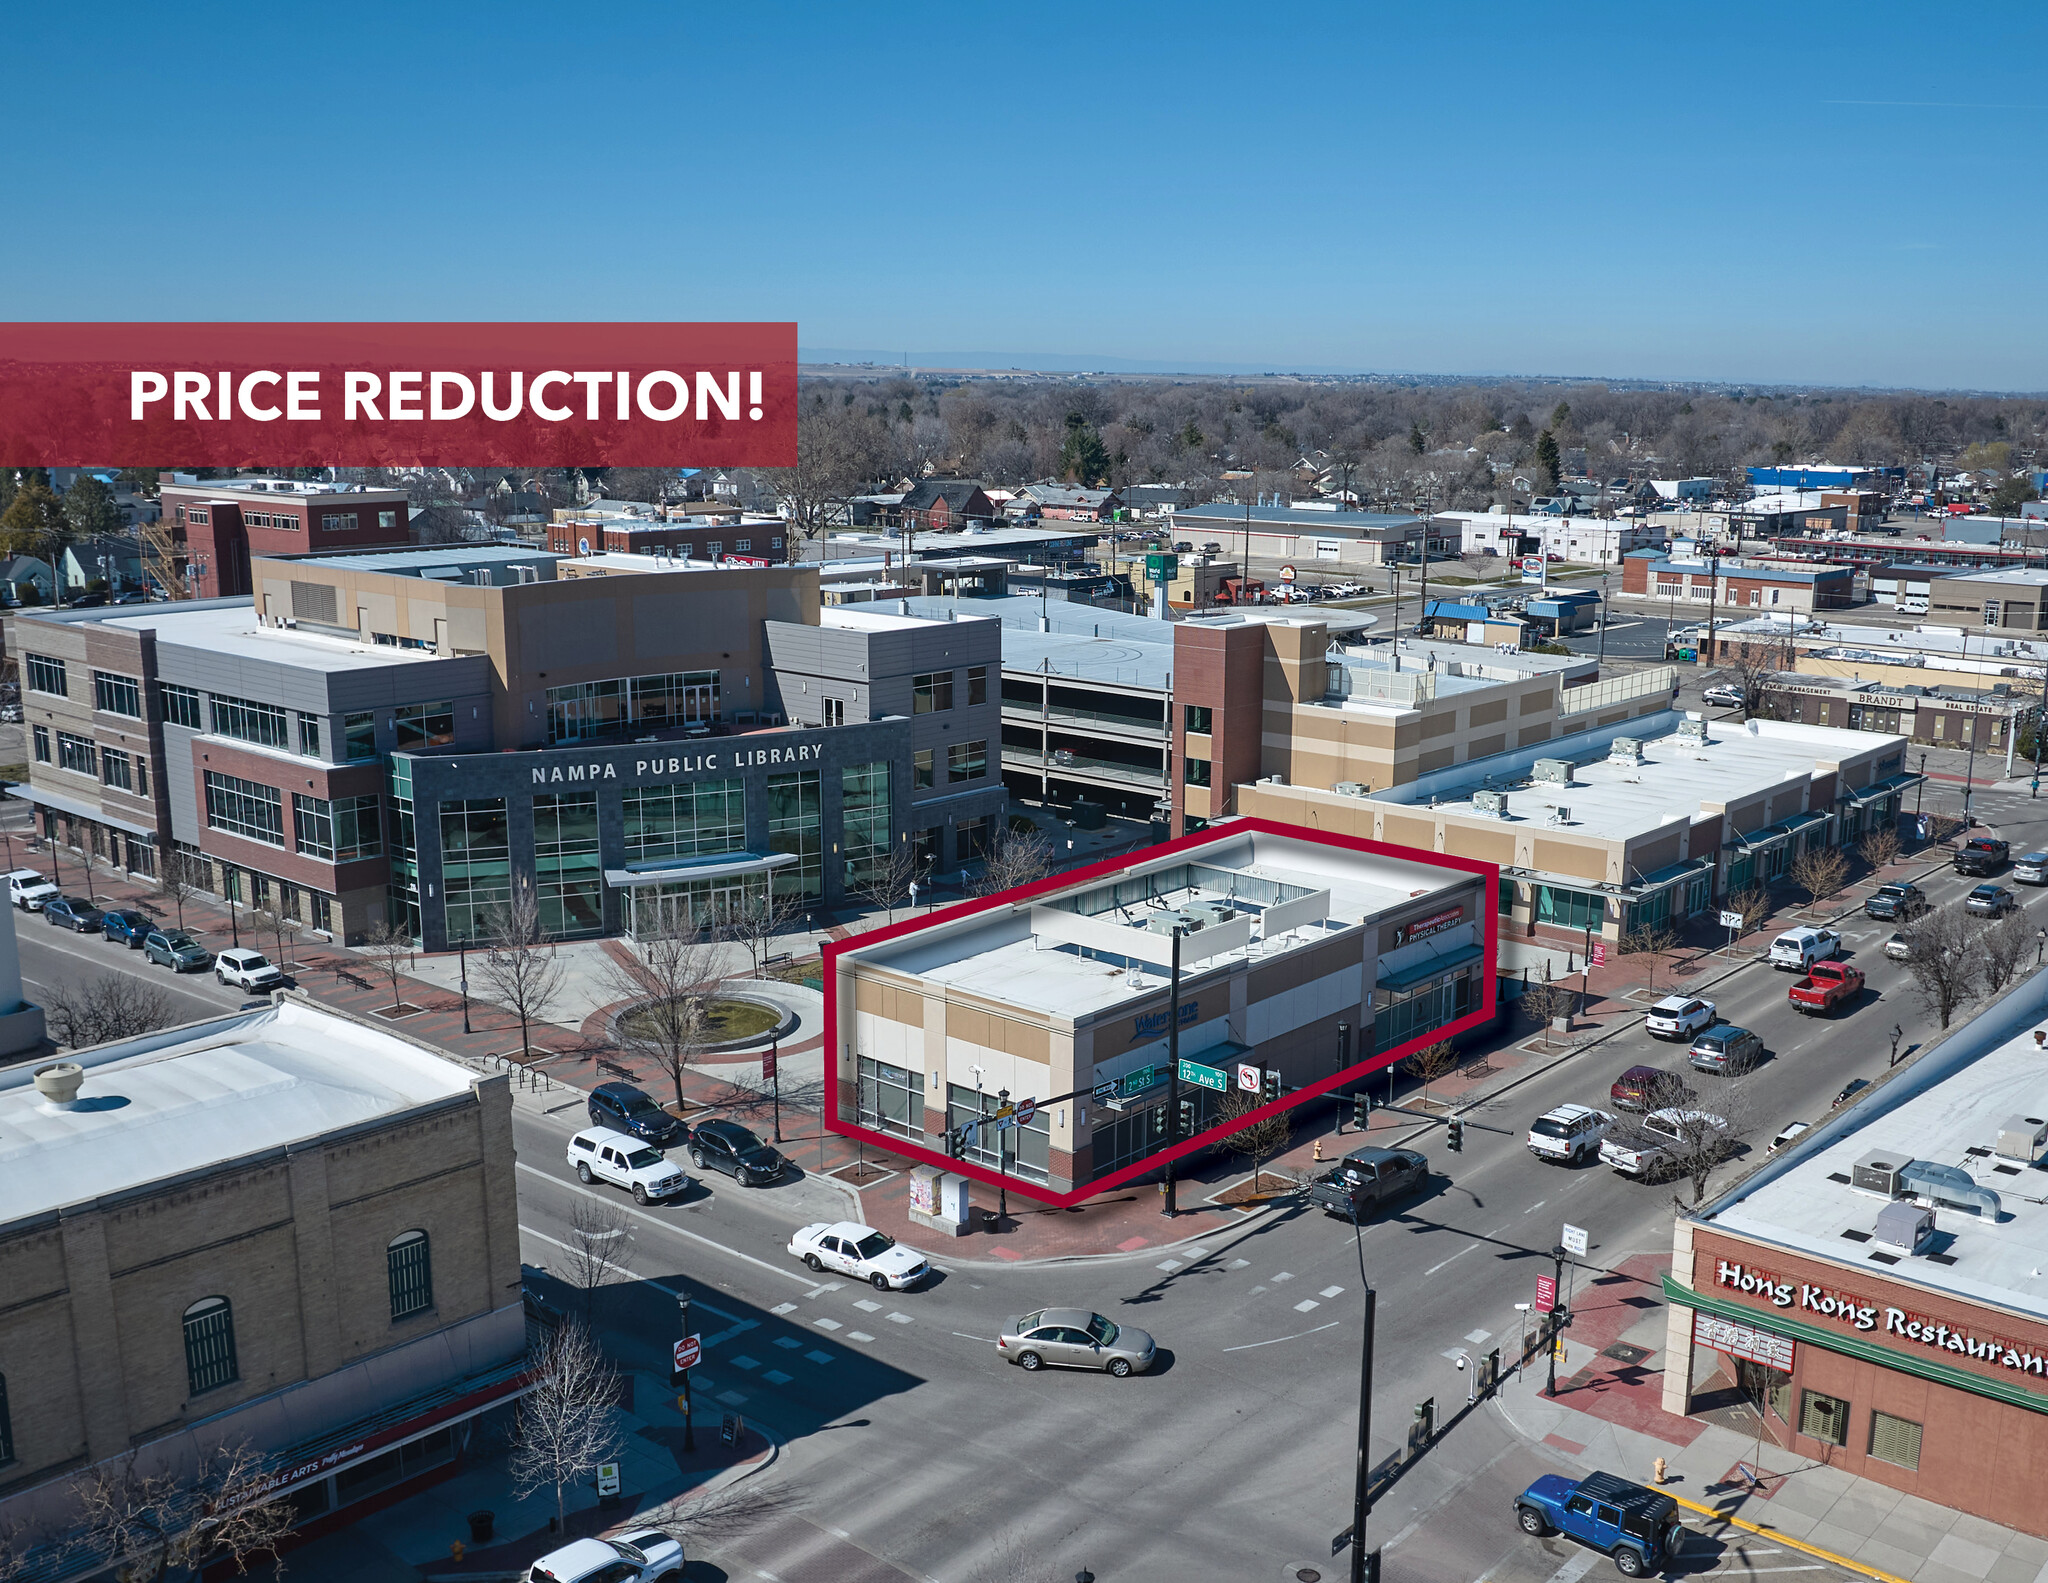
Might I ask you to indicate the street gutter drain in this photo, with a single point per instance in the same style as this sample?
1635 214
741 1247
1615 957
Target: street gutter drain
1308 1575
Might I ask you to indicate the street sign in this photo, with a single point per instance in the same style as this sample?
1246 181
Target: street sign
607 1478
1546 1293
1026 1109
1731 920
1286 574
1137 1082
688 1351
1104 1092
1005 1108
1575 1241
768 1063
1247 1077
1203 1076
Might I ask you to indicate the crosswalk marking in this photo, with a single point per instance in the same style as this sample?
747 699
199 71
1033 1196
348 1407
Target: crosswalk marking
828 1324
1306 1305
788 1341
821 1357
783 1308
1331 1291
1284 1275
867 1306
733 1398
1240 1264
858 1335
901 1319
1168 1265
745 1362
777 1377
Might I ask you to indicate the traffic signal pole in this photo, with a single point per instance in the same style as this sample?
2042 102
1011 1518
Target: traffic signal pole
1361 1492
1172 1077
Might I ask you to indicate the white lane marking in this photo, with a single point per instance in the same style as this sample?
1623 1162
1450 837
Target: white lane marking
1249 1345
1168 1265
1452 1259
828 1324
964 1336
901 1319
783 1308
1535 1206
738 1324
1477 1336
1284 1275
858 1335
868 1307
1576 1568
1307 1305
1331 1291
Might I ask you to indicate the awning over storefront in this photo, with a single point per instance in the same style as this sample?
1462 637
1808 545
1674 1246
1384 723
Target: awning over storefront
1878 791
1670 874
1772 834
77 807
1434 965
728 866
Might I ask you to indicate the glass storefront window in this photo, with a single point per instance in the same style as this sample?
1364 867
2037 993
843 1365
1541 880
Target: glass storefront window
1569 909
1406 1013
891 1098
796 825
683 907
476 868
568 877
686 819
864 820
1026 1151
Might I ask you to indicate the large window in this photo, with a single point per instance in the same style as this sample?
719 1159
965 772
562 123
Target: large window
1197 718
923 770
181 705
1405 1013
117 769
568 874
77 754
864 820
42 739
359 736
1895 1440
977 684
244 808
209 1346
1569 909
966 761
891 1098
358 827
117 695
585 710
1195 771
796 824
313 825
411 1271
686 819
476 865
309 735
416 726
248 721
1824 1418
45 675
931 692
1024 1151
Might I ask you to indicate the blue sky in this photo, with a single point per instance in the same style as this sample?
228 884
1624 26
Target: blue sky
1807 192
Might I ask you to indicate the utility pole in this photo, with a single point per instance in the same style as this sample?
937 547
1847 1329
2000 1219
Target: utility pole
1713 601
1173 1075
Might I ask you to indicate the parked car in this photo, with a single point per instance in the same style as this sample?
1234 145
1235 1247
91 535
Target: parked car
74 913
1799 949
1724 1049
10 714
624 1108
1638 1528
1074 1338
602 1155
1649 1088
1828 986
2031 869
646 1555
866 1254
727 1146
1570 1133
1899 946
1900 903
1986 901
1981 855
1654 1146
1366 1177
127 928
1728 697
176 950
1680 1017
28 890
1789 1136
1849 1092
251 970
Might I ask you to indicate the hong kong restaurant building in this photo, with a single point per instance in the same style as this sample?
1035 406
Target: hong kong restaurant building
1881 1288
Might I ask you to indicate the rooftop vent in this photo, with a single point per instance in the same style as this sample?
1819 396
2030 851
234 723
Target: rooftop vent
1879 1173
1904 1226
1949 1185
1691 730
1625 750
1492 802
1351 788
1208 912
59 1082
2023 1138
1553 772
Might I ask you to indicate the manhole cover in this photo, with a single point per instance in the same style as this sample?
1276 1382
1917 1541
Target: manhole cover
1308 1575
1624 1352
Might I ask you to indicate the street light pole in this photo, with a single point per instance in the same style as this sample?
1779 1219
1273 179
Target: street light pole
462 953
1172 1075
1361 1485
689 1417
1556 1307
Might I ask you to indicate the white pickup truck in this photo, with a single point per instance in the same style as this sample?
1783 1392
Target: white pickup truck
1796 950
1653 1146
600 1154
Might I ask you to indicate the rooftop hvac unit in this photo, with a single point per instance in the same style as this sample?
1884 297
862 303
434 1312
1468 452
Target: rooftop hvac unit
2023 1138
1351 788
1492 802
1553 772
1879 1173
1167 922
1903 1226
1626 750
1208 912
1691 730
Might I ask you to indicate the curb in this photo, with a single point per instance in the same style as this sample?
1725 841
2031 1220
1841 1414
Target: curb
1778 1536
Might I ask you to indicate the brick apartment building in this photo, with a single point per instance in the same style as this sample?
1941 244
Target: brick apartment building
745 537
217 525
1736 587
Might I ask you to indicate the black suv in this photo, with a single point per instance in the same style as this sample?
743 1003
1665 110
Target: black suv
1901 902
1981 855
727 1146
623 1108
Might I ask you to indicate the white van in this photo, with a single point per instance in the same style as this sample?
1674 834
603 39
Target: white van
600 1154
1796 950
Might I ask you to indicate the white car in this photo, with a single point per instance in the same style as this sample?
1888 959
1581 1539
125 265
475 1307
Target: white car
252 970
1655 1143
847 1248
1570 1133
1789 1136
1680 1017
28 890
602 1155
647 1555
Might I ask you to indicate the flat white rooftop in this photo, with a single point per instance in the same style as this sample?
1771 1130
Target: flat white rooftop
1803 1206
233 630
179 1101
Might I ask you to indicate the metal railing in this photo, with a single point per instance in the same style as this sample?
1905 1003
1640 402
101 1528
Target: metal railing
1024 713
1027 759
1617 690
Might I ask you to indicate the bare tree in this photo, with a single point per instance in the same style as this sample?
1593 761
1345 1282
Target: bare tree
287 936
1942 956
1258 1139
1652 940
1754 903
1544 1001
177 880
1752 665
885 880
1017 858
758 922
1819 871
520 969
113 1006
1880 848
671 978
1431 1062
390 949
145 1523
567 1423
2002 948
598 1234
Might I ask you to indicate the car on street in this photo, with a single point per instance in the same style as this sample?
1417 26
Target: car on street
1798 949
1367 1177
1981 855
2032 869
249 970
1074 1338
1850 1091
1680 1017
28 890
1728 697
1898 903
1828 986
74 913
1724 1049
1899 946
1570 1133
1789 1136
176 950
847 1248
1659 1144
1649 1088
727 1146
624 1108
1990 901
127 928
646 1555
599 1154
1637 1527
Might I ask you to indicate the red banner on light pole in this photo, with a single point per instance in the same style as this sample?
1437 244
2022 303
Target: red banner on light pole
768 1063
1546 1294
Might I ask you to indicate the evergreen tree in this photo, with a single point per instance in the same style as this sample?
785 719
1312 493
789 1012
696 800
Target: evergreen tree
33 522
1083 457
1547 457
89 508
1416 442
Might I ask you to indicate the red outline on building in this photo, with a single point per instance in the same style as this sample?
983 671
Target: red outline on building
1187 843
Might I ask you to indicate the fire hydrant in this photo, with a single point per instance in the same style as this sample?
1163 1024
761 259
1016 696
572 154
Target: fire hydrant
1319 1148
1657 1468
455 1551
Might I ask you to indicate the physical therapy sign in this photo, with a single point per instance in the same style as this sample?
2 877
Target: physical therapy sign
398 395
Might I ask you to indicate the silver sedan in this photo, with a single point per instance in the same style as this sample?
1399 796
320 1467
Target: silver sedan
1074 1338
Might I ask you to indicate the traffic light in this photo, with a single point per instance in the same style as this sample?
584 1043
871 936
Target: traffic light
1361 1110
1455 1139
1187 1118
1271 1086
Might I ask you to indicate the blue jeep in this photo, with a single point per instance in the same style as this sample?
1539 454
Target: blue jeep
1638 1527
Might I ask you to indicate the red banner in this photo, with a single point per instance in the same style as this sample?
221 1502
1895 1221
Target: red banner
397 395
1546 1294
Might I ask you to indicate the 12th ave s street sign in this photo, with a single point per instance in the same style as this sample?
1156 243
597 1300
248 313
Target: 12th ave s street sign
1204 1076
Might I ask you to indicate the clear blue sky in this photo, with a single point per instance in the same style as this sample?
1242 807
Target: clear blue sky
1807 191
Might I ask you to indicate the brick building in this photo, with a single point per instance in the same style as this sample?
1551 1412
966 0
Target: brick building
215 525
1738 587
282 1227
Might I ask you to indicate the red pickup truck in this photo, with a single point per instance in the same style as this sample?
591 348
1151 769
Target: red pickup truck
1828 985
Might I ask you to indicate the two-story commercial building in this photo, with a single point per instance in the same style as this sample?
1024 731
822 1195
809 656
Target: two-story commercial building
215 526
